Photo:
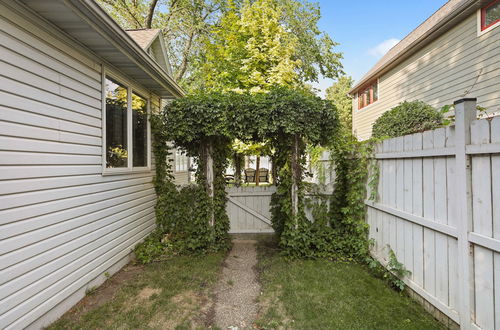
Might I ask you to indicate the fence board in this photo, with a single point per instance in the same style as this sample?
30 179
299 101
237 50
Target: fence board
452 221
440 213
482 224
495 196
400 223
417 203
429 235
408 204
438 198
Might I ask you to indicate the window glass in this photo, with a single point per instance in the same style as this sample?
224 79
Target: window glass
116 124
492 14
139 131
367 96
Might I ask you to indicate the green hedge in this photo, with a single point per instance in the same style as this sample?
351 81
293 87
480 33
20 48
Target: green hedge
407 118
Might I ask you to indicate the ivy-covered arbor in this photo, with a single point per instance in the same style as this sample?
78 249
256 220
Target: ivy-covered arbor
206 125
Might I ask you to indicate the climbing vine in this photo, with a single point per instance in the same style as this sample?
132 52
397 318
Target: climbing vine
205 126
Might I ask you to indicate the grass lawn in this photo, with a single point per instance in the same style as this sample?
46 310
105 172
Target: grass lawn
165 295
320 294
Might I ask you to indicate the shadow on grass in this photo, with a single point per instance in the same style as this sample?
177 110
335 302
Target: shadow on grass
322 294
171 294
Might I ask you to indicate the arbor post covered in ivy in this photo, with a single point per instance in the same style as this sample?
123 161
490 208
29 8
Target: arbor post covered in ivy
296 178
206 153
199 124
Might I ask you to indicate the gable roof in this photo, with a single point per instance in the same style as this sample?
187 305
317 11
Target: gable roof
153 43
144 37
89 25
438 23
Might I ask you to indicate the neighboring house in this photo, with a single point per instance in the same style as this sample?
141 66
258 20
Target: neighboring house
455 53
76 168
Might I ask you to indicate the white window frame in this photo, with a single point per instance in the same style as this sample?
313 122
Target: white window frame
131 88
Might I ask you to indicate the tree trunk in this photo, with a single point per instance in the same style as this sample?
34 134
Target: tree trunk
274 170
151 12
257 166
237 169
296 176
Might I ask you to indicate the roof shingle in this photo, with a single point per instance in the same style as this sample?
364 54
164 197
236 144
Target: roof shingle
143 37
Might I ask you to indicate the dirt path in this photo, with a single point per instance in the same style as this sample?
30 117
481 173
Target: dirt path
238 289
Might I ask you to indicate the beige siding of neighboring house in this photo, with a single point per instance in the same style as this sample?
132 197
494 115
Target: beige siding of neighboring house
440 73
63 224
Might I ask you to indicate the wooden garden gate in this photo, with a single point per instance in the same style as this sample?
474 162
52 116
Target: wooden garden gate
248 209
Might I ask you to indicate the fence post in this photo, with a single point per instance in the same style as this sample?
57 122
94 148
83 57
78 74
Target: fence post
465 113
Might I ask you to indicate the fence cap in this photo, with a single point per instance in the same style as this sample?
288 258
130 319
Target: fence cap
465 100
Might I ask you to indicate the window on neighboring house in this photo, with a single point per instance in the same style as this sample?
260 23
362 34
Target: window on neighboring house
368 95
490 15
127 127
181 161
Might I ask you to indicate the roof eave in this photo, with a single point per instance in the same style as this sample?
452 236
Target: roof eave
439 29
109 28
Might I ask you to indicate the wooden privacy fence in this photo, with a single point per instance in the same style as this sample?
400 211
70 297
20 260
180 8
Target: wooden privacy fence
438 208
248 209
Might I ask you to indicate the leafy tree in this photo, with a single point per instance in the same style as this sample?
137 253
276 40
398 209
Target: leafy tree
214 43
184 24
338 94
315 49
268 43
250 50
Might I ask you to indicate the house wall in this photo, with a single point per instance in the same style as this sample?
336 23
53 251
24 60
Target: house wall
440 73
62 223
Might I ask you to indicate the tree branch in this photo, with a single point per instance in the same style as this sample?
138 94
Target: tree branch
151 11
185 54
127 8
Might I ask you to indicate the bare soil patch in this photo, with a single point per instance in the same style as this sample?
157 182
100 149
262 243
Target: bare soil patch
106 292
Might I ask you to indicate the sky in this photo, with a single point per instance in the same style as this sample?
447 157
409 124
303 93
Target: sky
367 29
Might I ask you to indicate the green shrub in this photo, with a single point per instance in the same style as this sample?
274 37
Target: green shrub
151 249
407 118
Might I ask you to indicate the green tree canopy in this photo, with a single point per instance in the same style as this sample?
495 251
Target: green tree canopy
338 93
231 44
251 50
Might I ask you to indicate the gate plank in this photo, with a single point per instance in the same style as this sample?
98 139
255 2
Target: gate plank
249 210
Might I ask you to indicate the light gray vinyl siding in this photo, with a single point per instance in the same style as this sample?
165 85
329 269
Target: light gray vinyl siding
62 223
460 63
